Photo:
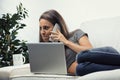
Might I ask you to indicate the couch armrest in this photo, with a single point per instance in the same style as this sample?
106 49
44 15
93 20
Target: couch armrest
7 72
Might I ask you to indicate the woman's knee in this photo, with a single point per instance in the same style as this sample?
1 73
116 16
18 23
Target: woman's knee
81 69
82 56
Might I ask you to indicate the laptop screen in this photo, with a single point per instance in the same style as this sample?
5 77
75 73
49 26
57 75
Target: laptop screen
47 58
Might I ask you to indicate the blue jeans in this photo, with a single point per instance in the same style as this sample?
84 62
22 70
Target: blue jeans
97 59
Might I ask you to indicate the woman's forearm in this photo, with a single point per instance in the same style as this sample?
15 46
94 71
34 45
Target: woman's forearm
76 47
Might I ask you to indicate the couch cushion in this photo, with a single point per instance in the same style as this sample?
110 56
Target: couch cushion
103 32
102 75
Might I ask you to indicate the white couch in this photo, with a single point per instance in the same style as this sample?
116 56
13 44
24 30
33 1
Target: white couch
102 32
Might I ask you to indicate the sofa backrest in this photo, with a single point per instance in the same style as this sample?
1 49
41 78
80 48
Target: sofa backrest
103 32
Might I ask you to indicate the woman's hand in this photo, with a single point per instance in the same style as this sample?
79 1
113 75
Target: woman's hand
58 36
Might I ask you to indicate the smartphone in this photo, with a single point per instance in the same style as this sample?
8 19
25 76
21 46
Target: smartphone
54 30
56 27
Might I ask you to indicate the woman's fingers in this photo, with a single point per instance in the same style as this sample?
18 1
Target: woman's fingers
54 38
56 32
56 35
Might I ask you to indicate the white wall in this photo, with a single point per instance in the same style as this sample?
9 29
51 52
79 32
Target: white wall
74 12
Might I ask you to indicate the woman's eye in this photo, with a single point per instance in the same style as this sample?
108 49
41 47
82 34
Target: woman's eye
46 27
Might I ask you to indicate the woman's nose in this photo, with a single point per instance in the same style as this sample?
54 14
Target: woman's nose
42 31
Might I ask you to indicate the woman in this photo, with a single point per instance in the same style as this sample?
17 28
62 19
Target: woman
75 42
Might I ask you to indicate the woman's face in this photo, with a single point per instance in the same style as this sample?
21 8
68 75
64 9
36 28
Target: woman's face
45 29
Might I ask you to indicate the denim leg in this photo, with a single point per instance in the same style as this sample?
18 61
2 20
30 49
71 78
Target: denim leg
107 50
99 57
87 67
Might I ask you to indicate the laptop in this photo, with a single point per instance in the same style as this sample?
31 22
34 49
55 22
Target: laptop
47 58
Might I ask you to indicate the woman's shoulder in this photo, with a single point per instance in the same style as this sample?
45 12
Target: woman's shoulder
77 32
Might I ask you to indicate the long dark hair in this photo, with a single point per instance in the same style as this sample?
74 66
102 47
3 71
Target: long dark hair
54 17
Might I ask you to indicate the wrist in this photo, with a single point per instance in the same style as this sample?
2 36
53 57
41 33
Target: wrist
66 42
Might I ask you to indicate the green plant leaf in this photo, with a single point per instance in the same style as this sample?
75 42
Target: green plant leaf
9 43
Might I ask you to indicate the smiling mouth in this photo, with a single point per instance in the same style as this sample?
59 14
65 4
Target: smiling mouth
45 37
